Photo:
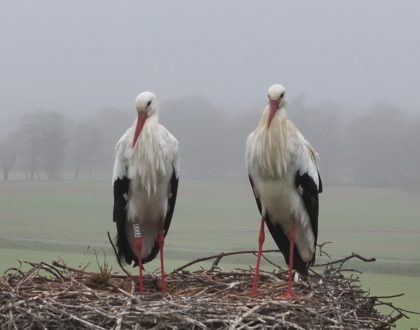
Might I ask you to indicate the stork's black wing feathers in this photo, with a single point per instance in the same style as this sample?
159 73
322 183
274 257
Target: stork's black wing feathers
173 189
320 188
257 199
282 241
172 199
124 251
310 199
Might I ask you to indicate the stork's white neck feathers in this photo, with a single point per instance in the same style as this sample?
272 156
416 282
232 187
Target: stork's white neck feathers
272 151
147 156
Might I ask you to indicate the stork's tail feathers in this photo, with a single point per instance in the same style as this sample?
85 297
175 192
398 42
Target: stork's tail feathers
124 252
282 242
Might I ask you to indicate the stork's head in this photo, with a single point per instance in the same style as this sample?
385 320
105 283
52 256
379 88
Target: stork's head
146 105
276 99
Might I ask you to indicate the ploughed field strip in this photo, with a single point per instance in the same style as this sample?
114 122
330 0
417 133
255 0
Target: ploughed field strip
57 296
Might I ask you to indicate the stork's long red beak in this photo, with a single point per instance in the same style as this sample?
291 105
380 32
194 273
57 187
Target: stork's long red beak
274 106
141 119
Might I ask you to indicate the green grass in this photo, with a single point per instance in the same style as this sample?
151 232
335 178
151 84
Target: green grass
385 285
381 223
48 220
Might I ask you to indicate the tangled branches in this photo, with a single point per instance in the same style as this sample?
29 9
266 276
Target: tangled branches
57 296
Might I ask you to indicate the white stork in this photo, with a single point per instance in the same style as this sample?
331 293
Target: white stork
283 171
145 182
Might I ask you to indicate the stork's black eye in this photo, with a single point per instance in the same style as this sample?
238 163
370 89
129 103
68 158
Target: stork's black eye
281 95
148 103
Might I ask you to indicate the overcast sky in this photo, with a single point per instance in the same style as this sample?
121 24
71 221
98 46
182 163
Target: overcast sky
81 55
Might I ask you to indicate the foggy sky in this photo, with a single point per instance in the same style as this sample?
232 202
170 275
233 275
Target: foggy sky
78 56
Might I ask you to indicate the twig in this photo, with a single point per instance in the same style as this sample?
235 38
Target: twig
388 297
353 255
213 299
321 251
239 319
116 255
219 256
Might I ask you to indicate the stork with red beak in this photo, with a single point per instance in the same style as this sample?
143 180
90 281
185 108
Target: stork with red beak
283 171
145 182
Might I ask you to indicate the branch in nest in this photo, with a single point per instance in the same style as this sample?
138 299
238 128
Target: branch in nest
321 251
116 255
200 299
219 256
343 260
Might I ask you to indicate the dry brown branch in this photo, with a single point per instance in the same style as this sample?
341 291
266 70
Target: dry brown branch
116 255
219 256
320 246
343 260
57 296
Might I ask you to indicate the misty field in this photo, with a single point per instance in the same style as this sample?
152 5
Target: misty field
69 219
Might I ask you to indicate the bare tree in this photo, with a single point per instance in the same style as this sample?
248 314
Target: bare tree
323 127
110 124
201 130
85 147
380 156
42 143
29 142
8 157
53 143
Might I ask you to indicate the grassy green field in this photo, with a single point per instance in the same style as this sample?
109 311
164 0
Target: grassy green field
67 219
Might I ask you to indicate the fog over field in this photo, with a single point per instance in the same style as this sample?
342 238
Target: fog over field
78 56
350 69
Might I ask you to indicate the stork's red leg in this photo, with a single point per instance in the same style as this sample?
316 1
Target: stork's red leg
290 293
161 242
261 239
138 245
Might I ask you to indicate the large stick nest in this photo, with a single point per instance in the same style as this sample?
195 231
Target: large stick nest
57 296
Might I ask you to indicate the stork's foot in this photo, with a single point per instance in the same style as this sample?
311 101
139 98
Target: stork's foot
163 289
261 239
290 294
253 292
138 247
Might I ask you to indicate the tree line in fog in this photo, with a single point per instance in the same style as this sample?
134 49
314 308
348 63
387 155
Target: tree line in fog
375 147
